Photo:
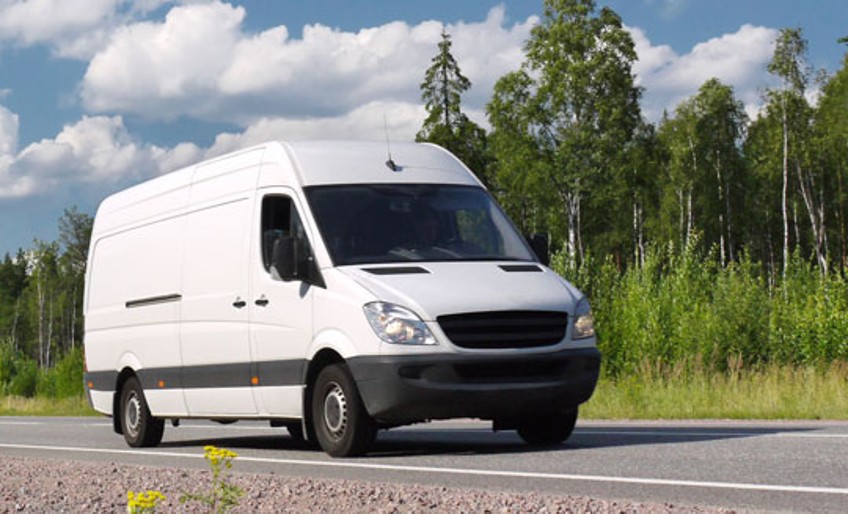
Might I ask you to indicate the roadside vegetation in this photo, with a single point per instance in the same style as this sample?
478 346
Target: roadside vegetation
713 247
773 392
685 337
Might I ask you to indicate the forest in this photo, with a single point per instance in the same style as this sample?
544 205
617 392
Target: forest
707 242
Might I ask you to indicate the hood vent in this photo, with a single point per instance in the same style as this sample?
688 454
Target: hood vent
520 268
397 270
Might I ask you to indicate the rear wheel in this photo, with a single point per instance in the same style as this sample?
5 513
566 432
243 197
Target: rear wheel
341 423
139 427
550 429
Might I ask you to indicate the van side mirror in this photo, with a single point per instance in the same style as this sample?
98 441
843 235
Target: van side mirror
292 259
284 258
539 244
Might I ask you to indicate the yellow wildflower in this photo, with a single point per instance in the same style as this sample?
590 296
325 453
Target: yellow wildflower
143 502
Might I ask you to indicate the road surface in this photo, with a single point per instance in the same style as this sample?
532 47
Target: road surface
774 466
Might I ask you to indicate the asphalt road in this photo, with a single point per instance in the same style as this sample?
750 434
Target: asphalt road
739 465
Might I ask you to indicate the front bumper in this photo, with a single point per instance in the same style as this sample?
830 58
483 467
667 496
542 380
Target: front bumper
406 389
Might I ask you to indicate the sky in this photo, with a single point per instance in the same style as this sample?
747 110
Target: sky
97 95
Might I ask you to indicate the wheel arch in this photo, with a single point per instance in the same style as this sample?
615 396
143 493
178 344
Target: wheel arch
319 361
123 376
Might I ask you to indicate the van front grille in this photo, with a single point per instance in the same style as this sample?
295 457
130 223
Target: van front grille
505 329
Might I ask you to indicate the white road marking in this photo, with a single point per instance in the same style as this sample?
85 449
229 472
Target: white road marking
673 434
459 471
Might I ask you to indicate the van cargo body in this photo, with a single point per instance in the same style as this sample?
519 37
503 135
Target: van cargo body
320 287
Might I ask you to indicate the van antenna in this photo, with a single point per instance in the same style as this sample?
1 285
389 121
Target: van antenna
390 163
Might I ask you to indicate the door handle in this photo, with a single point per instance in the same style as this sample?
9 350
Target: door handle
239 303
262 301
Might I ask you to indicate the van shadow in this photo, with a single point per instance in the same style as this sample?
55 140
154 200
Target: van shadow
416 441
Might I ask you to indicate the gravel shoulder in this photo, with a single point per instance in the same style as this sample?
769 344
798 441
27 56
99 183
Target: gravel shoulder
45 485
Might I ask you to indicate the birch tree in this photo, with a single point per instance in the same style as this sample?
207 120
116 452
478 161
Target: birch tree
788 63
581 108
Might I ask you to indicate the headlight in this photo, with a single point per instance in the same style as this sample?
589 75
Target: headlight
397 325
584 324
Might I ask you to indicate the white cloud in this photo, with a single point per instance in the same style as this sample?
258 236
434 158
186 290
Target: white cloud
738 59
164 69
8 131
8 145
95 149
199 62
175 158
402 121
73 28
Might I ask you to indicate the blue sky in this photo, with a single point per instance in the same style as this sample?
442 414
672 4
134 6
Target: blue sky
96 95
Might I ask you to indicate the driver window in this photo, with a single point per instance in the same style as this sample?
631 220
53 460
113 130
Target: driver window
279 218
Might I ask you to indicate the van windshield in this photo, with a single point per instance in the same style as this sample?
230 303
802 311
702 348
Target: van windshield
382 223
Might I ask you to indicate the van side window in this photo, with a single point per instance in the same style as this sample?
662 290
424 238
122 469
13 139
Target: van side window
279 218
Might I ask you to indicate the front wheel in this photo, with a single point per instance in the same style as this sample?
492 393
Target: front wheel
139 427
546 430
341 423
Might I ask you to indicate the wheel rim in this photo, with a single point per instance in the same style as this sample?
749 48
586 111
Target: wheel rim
335 411
132 414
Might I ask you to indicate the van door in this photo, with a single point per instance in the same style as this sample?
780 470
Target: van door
214 335
281 312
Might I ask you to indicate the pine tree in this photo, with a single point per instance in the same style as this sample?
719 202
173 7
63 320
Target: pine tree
446 124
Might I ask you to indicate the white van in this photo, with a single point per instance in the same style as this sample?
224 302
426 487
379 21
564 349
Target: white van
330 291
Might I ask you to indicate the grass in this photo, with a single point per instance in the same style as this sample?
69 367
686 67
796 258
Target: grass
775 392
19 406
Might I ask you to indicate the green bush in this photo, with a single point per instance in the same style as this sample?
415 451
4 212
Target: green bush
682 310
7 364
64 380
25 380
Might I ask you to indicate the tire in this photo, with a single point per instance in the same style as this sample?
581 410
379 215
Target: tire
342 425
139 427
550 429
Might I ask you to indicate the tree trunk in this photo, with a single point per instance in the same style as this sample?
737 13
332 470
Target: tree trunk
840 215
795 224
815 214
40 297
571 213
49 345
15 324
73 314
785 197
691 226
638 233
721 228
731 253
682 225
580 230
690 223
